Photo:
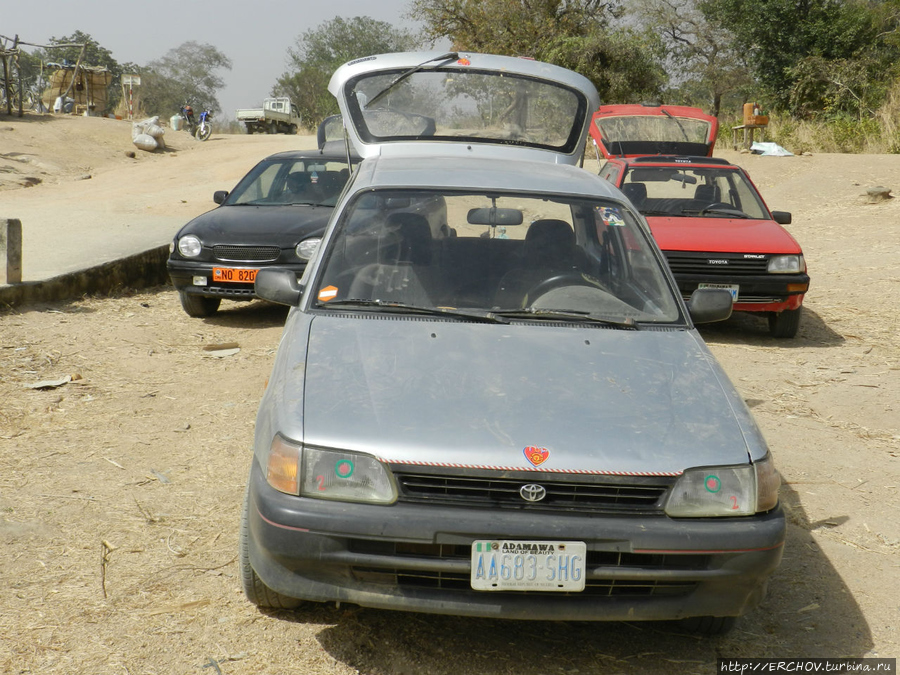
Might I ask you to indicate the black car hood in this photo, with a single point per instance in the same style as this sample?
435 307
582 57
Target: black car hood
282 225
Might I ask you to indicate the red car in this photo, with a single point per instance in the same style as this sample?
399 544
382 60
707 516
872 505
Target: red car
705 213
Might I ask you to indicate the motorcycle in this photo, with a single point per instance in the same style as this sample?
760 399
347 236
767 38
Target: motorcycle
204 129
200 130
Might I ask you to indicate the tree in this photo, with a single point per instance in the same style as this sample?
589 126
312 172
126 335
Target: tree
577 34
321 50
791 46
703 58
185 74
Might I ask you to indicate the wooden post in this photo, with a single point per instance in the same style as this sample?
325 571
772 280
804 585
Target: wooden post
10 251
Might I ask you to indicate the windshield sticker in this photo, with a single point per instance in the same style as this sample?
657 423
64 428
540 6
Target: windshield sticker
328 293
611 216
536 456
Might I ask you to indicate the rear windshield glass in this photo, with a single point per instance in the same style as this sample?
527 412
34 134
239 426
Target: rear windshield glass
466 106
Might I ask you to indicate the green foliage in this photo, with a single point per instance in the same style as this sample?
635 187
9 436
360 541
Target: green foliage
617 62
576 34
321 50
795 47
185 74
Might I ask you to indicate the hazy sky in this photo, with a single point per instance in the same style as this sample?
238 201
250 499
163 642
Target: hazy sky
254 34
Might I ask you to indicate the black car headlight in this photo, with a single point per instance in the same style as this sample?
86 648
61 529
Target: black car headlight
306 249
189 246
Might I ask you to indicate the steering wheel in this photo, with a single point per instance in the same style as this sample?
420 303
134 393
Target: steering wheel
557 281
723 207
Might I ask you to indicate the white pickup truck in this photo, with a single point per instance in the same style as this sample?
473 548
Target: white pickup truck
277 116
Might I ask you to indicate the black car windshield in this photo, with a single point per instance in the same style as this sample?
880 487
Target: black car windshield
565 259
310 180
714 192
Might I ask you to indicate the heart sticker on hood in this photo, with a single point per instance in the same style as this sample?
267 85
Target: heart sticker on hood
536 456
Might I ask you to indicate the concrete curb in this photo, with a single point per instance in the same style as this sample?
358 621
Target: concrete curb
142 270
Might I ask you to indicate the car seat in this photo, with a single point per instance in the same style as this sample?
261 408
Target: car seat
548 251
403 271
707 193
636 193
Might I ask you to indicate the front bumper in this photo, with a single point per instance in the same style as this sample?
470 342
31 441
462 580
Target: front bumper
416 558
763 293
185 276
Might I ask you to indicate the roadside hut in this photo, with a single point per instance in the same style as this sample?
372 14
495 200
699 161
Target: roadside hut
86 86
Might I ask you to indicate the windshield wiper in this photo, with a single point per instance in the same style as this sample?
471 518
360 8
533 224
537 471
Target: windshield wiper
449 56
729 211
566 315
483 316
675 119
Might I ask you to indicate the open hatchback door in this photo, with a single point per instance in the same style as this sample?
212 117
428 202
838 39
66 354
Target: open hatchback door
474 105
641 130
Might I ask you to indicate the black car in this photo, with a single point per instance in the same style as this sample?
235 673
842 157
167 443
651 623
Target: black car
275 216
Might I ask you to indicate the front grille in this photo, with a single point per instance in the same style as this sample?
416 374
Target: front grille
231 291
246 253
715 264
612 494
454 581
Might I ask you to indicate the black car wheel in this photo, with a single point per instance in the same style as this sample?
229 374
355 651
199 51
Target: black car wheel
254 588
785 324
198 305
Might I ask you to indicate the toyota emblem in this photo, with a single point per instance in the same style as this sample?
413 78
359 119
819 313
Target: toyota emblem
532 492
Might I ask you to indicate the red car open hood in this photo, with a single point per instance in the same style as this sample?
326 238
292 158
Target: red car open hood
641 130
721 235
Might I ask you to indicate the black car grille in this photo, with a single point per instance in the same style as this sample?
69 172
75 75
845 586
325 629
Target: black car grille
425 576
715 264
246 253
612 494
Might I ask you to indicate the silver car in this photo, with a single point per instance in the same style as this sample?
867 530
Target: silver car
489 398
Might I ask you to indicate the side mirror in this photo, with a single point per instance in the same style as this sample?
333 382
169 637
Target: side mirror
220 196
278 285
782 217
706 305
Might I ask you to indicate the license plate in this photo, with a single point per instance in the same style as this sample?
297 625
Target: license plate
227 274
731 288
528 565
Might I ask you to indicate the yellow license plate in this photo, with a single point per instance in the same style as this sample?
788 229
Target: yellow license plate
227 274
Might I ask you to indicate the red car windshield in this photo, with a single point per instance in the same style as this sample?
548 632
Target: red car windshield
720 192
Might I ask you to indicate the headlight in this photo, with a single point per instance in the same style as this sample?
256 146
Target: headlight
786 264
346 476
307 248
328 474
189 246
725 491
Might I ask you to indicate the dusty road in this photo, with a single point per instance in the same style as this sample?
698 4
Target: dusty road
120 490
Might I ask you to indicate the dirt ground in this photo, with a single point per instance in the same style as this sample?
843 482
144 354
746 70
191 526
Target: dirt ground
120 489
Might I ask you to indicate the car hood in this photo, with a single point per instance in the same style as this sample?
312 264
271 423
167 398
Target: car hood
436 393
723 235
256 225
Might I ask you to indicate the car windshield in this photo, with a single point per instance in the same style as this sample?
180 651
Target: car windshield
714 192
311 180
462 105
504 256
